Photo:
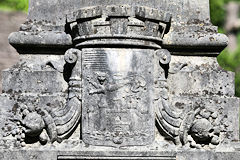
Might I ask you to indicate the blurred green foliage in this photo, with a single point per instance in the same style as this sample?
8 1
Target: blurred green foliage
217 12
14 5
229 61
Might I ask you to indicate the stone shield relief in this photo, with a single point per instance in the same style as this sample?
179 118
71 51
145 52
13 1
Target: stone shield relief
117 106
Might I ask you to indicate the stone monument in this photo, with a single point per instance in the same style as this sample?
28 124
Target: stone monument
119 79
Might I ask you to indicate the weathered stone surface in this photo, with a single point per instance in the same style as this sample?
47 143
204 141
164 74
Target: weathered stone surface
117 89
35 76
217 110
129 155
191 26
46 42
33 82
5 103
118 93
200 76
192 12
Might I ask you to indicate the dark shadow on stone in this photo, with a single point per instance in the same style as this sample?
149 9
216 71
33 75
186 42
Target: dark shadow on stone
67 71
31 140
166 68
161 132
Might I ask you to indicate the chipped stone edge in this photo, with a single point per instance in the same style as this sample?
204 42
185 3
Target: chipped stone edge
42 42
213 43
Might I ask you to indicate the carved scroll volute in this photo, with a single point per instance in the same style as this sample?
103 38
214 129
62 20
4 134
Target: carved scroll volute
167 120
71 55
164 56
74 58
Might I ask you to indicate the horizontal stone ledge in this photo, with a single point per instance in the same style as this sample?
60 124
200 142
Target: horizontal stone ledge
181 43
42 42
117 37
195 42
110 155
115 43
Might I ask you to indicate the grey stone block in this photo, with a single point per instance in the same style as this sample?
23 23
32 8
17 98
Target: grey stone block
33 82
201 76
5 104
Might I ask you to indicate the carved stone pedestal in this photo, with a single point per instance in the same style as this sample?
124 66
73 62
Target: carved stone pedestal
118 80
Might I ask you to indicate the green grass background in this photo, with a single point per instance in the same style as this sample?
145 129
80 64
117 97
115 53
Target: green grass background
229 61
